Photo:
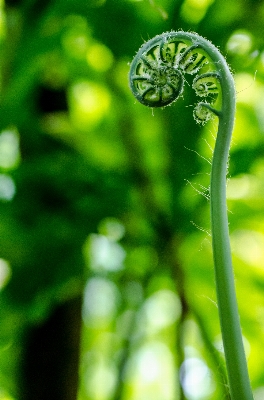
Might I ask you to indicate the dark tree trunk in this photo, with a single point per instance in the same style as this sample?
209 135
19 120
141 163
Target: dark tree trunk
51 358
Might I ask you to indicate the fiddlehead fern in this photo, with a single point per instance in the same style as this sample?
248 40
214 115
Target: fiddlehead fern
157 73
157 77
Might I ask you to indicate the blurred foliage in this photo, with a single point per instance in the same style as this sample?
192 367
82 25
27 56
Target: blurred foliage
102 197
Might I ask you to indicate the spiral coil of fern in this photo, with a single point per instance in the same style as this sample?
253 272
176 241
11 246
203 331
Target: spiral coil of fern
157 73
156 78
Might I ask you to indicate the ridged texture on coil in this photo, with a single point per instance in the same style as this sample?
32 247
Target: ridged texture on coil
157 73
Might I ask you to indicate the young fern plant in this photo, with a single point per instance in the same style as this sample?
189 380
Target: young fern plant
157 76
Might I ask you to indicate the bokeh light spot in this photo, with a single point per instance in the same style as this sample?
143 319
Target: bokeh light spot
99 57
239 43
193 11
249 246
151 372
196 379
7 188
104 254
9 149
100 300
112 228
89 103
5 272
162 309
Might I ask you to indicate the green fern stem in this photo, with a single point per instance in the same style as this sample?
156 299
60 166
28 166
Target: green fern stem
227 304
157 79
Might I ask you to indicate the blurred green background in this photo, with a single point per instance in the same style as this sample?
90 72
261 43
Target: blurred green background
106 275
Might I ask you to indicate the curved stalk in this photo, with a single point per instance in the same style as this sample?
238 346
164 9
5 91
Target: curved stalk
226 297
156 80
